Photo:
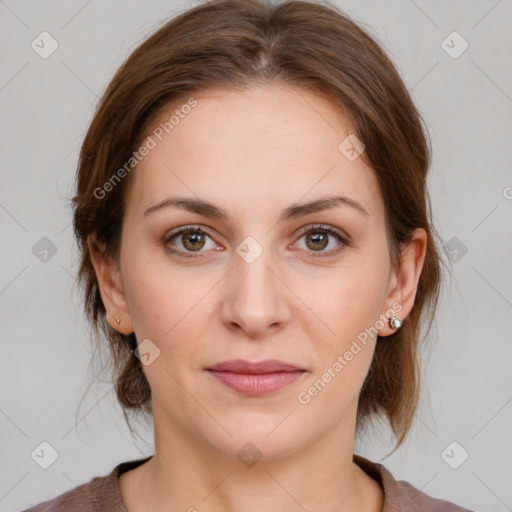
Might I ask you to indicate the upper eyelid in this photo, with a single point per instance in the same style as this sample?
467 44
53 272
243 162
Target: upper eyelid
181 230
326 227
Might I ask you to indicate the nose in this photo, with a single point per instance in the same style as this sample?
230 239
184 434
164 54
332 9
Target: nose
256 296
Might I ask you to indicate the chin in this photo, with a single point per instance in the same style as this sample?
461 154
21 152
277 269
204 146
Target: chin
258 436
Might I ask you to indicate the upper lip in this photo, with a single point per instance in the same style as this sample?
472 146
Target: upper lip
242 366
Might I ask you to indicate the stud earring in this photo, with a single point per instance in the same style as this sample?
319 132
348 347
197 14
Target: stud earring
116 319
395 323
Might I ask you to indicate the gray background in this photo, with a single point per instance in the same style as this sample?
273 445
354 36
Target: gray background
46 107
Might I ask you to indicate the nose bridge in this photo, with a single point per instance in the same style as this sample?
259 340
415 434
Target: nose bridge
255 299
254 275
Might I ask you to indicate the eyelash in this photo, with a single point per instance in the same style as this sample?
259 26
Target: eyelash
345 241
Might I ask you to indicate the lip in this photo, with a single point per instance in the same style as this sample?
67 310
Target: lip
258 378
242 366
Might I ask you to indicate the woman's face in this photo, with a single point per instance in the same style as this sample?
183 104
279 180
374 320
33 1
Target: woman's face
261 281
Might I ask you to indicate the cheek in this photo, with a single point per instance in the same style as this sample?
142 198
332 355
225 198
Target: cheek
173 308
349 303
344 354
160 295
351 299
169 308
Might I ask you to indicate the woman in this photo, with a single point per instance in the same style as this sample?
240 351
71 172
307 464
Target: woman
257 249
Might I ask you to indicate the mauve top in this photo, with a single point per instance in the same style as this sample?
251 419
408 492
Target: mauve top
102 494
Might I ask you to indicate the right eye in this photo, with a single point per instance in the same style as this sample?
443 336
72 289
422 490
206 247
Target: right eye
192 239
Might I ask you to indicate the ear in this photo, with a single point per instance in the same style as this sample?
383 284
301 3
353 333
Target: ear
404 280
110 285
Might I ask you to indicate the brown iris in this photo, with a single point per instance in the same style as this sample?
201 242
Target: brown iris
319 240
193 240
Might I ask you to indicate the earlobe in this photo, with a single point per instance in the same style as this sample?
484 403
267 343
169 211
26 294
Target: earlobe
406 279
117 320
110 286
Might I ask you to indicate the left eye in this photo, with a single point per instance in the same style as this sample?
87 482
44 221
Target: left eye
317 239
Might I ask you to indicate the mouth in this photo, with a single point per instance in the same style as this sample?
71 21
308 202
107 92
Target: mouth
254 379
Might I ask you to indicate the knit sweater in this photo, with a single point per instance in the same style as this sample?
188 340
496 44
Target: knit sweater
102 493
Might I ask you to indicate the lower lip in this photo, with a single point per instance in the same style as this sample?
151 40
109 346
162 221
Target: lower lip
256 384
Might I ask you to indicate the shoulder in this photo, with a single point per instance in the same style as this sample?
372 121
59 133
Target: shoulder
84 498
414 500
403 496
99 494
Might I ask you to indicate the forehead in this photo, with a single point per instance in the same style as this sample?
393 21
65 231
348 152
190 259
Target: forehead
274 142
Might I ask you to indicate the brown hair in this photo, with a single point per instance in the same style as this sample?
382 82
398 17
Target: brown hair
239 44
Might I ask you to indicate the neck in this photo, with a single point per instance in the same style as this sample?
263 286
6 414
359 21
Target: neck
186 474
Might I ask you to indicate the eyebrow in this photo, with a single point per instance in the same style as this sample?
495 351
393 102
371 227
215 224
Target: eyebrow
292 212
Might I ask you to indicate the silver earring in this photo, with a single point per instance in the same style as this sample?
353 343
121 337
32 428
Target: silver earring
395 323
116 319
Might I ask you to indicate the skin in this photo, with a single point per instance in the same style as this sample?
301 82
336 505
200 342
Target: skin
254 153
